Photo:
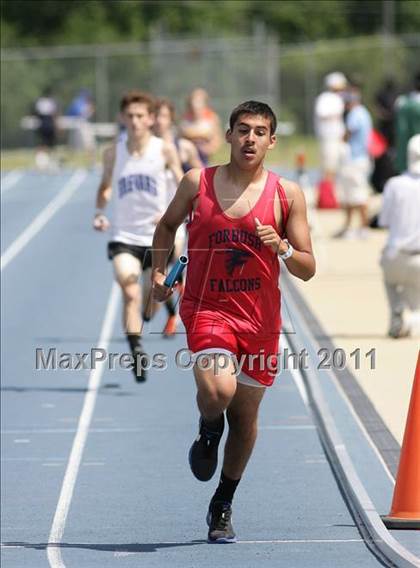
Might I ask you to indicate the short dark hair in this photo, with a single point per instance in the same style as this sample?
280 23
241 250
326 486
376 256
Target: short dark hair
138 97
255 108
164 102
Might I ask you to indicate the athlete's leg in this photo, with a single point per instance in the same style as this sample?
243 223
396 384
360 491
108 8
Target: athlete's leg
242 415
216 384
127 271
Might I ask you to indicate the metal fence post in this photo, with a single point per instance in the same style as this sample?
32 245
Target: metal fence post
273 72
102 87
310 87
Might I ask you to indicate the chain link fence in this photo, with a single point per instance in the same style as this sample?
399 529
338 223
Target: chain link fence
232 70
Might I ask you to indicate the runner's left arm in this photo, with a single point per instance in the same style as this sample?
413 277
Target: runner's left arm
172 161
302 262
191 153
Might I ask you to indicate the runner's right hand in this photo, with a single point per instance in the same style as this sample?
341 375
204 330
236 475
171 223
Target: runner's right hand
160 292
101 222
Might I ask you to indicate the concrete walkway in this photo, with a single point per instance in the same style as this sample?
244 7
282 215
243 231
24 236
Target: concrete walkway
348 298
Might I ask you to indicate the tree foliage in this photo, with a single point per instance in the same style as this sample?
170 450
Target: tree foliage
52 22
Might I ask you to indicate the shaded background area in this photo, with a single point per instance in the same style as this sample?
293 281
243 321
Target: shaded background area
278 52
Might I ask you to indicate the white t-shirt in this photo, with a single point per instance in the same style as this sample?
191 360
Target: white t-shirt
140 192
401 213
329 109
46 106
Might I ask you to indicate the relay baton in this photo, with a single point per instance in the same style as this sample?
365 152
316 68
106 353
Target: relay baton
176 271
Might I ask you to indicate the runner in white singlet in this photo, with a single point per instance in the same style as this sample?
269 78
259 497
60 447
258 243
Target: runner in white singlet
134 170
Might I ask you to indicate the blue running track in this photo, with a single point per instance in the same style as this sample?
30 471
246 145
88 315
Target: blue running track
134 501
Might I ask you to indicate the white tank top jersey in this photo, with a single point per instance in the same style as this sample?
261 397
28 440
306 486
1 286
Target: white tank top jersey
140 192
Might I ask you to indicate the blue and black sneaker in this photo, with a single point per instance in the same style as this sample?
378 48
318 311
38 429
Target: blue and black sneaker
203 452
219 520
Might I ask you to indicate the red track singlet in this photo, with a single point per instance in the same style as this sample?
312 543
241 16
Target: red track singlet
232 284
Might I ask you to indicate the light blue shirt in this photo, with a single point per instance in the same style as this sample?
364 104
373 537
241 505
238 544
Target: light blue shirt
359 123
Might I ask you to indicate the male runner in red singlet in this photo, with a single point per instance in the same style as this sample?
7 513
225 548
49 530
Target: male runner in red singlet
240 213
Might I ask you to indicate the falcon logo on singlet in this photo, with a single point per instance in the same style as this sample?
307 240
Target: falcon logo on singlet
136 182
235 258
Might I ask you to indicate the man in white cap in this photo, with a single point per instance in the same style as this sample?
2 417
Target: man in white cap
356 166
401 256
329 123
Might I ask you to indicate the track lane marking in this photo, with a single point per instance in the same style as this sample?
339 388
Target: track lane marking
85 419
42 218
10 180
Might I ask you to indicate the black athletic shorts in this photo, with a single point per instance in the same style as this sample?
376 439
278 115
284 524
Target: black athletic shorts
143 254
47 136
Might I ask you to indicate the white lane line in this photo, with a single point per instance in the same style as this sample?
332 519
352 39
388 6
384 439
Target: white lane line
29 459
42 219
41 431
301 541
10 180
69 482
118 553
285 427
300 385
123 553
137 430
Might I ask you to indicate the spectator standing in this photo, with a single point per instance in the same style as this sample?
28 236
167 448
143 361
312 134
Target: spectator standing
356 168
46 110
82 108
385 110
201 125
385 123
407 122
401 256
329 124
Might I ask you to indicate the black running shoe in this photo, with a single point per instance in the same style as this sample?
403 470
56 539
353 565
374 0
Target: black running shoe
141 360
219 520
203 452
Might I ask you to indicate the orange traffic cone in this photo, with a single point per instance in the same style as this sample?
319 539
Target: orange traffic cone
405 508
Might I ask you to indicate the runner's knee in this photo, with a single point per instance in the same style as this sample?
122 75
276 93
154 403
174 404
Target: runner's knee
215 394
131 293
